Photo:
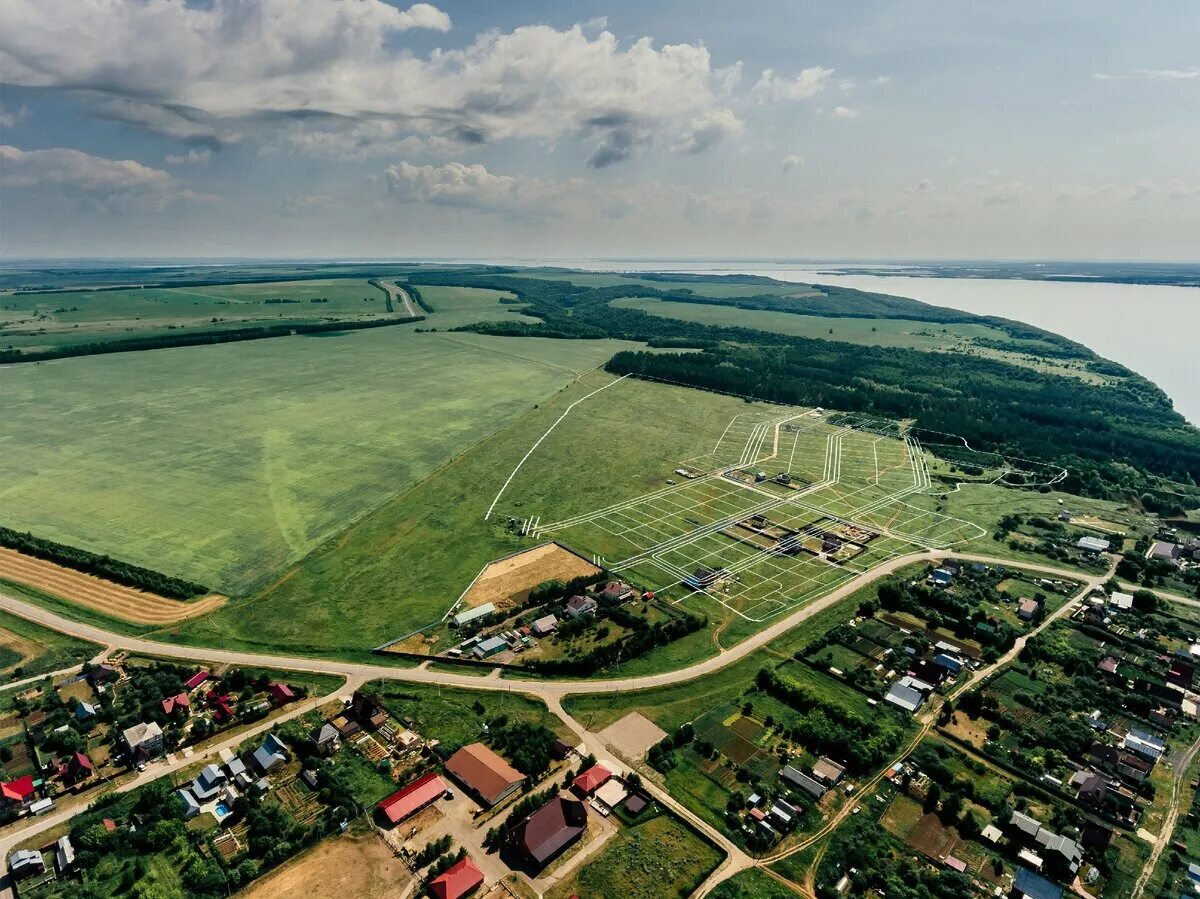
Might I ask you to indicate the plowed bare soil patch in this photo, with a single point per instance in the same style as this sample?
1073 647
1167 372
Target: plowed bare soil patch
343 866
103 596
511 579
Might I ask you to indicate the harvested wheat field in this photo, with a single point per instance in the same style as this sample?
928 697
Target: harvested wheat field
511 578
102 596
359 867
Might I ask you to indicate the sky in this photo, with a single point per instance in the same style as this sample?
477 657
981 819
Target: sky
792 129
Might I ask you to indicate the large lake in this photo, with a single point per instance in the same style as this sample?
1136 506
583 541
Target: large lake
1152 329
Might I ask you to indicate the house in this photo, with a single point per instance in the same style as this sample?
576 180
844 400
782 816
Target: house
783 812
1095 838
1182 674
222 708
191 808
927 672
484 773
208 783
195 680
19 792
1101 755
468 615
145 741
703 578
281 694
548 831
612 794
346 726
758 814
1133 768
64 854
237 770
1107 665
271 754
1148 747
102 674
955 864
85 711
615 592
992 833
489 647
1030 859
1122 602
951 663
578 606
460 879
904 697
79 767
180 702
325 738
25 863
409 800
591 780
406 740
802 781
1024 825
1027 609
1092 545
310 777
1092 787
636 804
367 708
828 771
1162 551
547 624
1062 851
941 577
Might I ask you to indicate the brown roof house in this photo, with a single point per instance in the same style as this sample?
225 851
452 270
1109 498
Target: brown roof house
484 773
553 827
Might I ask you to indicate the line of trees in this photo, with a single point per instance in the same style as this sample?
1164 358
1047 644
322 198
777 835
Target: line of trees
196 338
106 567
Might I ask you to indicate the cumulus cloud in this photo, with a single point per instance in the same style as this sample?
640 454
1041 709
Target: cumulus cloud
10 117
807 84
844 112
93 181
191 157
792 161
1189 74
335 79
471 186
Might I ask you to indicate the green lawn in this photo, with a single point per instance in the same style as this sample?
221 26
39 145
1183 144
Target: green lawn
651 860
752 884
52 650
223 464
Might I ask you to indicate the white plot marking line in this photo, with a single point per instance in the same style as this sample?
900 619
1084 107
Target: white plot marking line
566 412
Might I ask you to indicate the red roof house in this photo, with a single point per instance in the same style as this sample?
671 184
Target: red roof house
173 704
411 799
79 768
196 680
20 790
456 881
281 694
591 779
222 710
109 824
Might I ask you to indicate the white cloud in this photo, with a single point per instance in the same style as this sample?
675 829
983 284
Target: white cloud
792 161
91 180
333 77
1189 74
191 157
472 186
300 204
10 117
844 112
807 84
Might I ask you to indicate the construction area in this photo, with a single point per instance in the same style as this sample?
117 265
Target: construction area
787 506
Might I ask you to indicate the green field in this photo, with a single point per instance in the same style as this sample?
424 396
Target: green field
401 567
752 884
36 649
225 463
652 859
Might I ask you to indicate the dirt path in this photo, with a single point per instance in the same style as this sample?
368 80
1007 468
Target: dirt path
1168 827
101 595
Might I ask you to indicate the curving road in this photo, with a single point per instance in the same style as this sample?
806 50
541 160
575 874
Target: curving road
550 692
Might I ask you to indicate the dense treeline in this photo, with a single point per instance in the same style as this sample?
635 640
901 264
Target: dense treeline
101 566
196 338
640 641
418 299
1115 439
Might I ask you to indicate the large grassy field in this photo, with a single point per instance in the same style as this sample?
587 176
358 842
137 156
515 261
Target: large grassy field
225 463
401 567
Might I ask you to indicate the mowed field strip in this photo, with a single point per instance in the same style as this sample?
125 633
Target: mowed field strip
101 595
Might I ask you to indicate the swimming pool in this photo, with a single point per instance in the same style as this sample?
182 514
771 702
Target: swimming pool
222 811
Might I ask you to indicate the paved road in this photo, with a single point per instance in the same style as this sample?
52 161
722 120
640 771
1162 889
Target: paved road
398 293
551 692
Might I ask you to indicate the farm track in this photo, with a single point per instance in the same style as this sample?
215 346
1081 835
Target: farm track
103 596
